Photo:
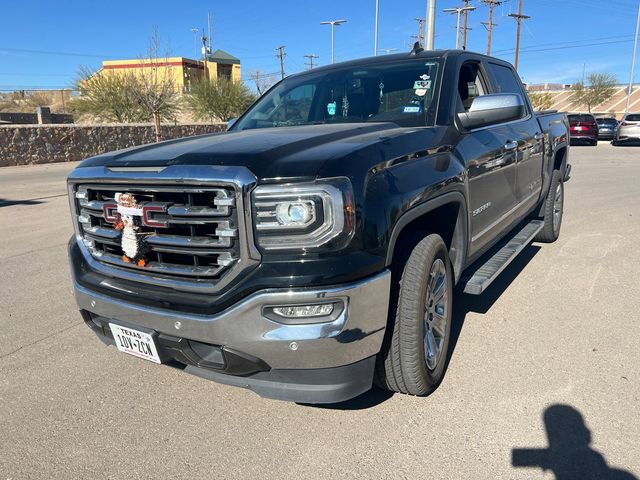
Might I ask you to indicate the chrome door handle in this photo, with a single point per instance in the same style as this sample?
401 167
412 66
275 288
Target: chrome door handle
538 136
511 145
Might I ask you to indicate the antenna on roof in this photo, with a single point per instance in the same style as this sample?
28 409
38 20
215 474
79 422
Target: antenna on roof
416 49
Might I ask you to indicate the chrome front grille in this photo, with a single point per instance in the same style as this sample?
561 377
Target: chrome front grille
199 239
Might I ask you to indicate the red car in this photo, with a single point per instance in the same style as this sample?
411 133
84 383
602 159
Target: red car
583 128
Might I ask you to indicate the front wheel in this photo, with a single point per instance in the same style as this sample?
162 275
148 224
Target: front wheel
414 356
553 210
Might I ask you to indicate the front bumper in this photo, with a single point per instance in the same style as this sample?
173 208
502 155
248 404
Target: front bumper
322 362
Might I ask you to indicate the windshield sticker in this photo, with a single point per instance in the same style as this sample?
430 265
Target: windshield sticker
419 84
411 109
381 86
331 108
425 77
421 92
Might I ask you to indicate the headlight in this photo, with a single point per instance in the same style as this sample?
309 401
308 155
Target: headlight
304 215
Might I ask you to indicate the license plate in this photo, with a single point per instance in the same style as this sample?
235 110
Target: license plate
136 343
579 129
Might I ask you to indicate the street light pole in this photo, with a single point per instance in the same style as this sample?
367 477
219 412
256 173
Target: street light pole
633 64
458 11
195 42
375 35
333 24
431 24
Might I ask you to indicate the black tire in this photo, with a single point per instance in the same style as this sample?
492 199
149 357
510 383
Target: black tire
594 143
553 210
402 364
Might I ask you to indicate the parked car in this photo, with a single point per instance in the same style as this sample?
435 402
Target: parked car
583 128
317 243
629 129
606 128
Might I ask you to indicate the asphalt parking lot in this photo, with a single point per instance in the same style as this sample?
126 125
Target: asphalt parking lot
546 367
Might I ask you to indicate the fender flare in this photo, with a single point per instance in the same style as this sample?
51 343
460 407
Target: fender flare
459 240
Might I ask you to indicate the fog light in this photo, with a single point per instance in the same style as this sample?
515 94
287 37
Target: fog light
304 311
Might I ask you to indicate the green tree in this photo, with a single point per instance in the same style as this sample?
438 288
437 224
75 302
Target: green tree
156 92
219 99
541 100
110 97
600 88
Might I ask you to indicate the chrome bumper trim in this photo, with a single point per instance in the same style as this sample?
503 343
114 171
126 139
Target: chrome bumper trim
355 334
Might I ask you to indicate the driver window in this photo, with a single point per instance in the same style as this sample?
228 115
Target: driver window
469 85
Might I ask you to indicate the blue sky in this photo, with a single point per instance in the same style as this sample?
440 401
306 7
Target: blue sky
42 43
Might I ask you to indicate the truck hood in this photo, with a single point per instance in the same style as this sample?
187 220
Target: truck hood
285 152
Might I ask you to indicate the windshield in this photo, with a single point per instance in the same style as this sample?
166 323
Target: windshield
607 121
633 118
404 93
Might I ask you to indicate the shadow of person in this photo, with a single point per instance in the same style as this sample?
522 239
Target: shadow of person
569 456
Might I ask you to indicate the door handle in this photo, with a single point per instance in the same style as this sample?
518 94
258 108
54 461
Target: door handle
511 145
538 136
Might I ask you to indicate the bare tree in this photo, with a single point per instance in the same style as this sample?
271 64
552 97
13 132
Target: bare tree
109 96
262 81
541 100
157 92
220 99
600 88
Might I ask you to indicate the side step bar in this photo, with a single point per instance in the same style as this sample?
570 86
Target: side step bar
480 275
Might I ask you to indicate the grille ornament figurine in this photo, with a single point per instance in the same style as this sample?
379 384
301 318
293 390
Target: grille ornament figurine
132 240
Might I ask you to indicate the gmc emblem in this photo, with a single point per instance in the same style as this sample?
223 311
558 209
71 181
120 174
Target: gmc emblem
111 215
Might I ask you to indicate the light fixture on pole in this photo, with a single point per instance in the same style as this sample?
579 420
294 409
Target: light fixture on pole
458 11
633 64
333 24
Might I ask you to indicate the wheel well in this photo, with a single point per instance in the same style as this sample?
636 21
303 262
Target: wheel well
448 221
558 162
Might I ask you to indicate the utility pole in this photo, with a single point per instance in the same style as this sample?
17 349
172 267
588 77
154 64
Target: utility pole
311 57
465 28
195 42
489 25
420 26
519 18
458 11
375 35
431 25
333 23
281 54
633 65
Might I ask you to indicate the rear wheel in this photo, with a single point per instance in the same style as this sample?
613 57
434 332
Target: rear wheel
553 210
414 356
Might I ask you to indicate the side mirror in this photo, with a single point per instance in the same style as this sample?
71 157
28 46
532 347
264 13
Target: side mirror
230 122
489 110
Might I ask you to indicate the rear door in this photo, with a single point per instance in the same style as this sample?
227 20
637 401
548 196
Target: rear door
490 161
528 135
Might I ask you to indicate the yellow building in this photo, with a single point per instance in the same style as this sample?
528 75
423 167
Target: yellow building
183 71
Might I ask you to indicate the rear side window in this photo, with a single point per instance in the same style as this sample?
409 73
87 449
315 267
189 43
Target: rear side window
505 80
633 118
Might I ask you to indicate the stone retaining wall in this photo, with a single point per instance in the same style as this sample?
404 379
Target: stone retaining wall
37 144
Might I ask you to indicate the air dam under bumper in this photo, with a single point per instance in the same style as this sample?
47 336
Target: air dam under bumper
328 361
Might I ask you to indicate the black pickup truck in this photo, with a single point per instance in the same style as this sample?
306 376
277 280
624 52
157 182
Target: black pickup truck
313 249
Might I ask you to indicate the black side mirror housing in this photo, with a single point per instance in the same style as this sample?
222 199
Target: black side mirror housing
493 109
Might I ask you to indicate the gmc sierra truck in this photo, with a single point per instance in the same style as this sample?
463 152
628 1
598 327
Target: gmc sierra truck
313 249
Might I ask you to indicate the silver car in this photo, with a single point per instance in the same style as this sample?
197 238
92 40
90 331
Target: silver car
628 129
